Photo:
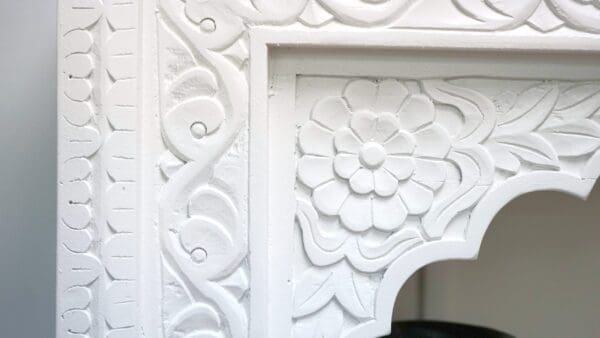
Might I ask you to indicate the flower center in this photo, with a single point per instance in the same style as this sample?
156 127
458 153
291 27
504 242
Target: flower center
372 155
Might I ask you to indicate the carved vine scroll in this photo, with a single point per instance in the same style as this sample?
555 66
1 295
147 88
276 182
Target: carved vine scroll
406 171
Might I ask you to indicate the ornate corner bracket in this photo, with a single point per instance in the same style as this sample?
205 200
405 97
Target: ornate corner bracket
262 168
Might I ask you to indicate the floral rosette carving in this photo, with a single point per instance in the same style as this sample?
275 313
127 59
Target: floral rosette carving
365 155
374 160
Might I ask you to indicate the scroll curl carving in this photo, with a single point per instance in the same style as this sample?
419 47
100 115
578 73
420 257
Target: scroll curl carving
202 112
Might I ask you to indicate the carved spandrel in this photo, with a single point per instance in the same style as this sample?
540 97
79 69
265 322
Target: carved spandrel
389 165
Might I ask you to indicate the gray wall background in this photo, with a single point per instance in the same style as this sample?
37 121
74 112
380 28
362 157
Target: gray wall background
27 167
537 275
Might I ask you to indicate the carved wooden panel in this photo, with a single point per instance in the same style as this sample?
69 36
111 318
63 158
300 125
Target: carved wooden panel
279 168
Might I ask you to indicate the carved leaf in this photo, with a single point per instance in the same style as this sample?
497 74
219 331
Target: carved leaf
348 288
194 317
314 290
531 109
510 150
327 324
317 287
500 13
574 139
478 111
579 101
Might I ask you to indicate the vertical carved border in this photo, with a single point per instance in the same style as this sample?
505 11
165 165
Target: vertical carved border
97 219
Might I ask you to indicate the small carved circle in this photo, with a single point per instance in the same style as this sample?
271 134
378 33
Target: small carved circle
199 255
372 155
208 25
198 129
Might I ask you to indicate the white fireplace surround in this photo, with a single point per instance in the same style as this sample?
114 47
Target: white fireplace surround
279 168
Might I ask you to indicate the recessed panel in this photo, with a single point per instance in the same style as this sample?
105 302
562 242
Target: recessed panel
374 155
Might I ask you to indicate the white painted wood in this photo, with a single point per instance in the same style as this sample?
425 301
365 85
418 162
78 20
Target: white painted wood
282 167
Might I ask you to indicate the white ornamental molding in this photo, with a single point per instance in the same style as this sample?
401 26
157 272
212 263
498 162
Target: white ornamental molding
279 168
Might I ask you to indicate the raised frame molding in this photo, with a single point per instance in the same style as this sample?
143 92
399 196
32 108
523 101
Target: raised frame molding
165 225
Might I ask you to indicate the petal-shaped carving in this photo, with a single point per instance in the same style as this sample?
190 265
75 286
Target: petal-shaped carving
390 96
432 141
361 95
417 111
386 126
431 173
363 124
328 198
357 213
346 165
418 198
362 181
315 140
331 112
402 143
385 183
401 167
326 250
389 213
314 170
346 141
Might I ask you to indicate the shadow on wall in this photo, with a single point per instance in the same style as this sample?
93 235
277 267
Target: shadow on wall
536 276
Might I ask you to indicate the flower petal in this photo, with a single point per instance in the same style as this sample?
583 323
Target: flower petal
385 183
385 126
346 141
430 173
346 165
432 141
416 112
356 213
417 198
390 96
315 140
401 143
361 95
328 198
362 181
388 213
315 170
331 112
364 125
401 167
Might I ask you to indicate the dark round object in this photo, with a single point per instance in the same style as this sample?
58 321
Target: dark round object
433 329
